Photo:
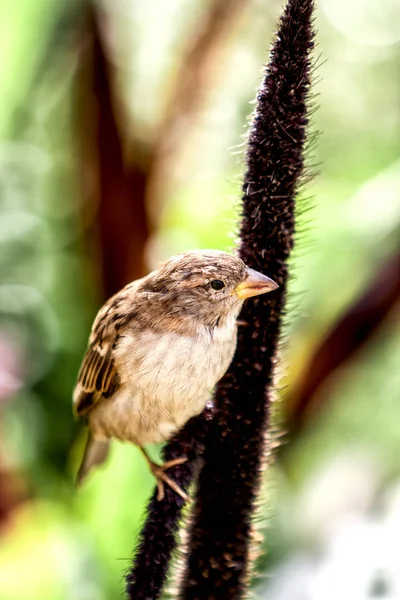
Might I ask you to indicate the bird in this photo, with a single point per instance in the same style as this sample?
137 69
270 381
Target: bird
156 350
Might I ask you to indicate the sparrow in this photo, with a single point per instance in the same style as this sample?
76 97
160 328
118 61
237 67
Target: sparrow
156 350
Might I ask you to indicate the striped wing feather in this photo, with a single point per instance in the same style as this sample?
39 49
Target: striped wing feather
97 371
98 376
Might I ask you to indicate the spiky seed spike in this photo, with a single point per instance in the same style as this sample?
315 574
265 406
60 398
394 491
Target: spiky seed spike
157 540
218 562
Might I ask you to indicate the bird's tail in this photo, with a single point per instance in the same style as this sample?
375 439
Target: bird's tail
95 454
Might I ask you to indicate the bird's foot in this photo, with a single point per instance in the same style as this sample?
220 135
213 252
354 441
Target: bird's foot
162 478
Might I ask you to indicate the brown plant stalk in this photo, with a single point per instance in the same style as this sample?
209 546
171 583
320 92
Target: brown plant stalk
348 336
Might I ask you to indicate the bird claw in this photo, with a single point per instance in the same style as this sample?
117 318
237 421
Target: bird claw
162 478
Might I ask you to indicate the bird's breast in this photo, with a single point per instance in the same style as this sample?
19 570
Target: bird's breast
174 366
164 381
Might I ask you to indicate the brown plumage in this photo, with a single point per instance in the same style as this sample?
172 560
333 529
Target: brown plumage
156 350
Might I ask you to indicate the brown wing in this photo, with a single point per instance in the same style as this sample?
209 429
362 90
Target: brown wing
98 375
97 369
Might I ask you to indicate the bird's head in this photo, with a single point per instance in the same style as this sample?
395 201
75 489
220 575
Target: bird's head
207 285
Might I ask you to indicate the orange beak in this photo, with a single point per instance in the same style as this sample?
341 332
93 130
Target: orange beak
256 283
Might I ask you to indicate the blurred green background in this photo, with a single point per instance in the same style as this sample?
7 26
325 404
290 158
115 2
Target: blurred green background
121 142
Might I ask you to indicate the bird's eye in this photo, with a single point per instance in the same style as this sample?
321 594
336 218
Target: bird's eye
217 284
